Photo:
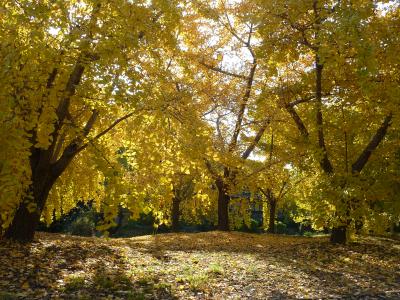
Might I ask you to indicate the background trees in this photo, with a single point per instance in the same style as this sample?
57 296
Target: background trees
338 98
225 52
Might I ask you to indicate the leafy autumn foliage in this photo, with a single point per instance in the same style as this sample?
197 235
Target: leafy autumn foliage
176 107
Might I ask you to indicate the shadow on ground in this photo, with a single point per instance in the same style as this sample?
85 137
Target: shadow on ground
213 265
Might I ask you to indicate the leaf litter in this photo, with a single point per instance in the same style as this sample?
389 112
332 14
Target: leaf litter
212 265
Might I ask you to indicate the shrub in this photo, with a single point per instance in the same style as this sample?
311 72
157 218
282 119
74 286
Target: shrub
308 233
84 225
281 227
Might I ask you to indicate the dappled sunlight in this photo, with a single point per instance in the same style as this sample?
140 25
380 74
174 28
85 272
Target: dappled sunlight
124 121
200 266
220 241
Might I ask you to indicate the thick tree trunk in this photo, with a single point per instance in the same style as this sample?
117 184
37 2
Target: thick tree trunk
44 175
272 213
223 206
339 235
175 214
46 168
23 225
26 221
45 165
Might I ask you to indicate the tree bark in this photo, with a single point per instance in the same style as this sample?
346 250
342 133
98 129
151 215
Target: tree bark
339 235
223 206
23 225
44 175
372 145
324 161
25 221
272 213
175 214
272 202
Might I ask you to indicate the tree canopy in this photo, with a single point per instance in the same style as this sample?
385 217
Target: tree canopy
177 107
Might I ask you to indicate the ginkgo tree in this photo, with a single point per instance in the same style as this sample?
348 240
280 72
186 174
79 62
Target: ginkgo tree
174 106
221 41
335 75
71 72
170 178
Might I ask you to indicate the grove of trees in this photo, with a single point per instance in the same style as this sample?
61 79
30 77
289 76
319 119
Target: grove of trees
174 106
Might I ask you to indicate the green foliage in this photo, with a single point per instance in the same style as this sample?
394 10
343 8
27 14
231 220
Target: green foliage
8 296
280 227
308 233
146 279
74 283
136 296
197 282
104 281
215 269
83 225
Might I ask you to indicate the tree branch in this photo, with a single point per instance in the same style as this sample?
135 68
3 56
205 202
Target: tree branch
219 70
221 138
75 146
372 145
280 195
232 30
58 147
325 163
52 77
90 122
301 100
257 138
74 79
299 122
105 131
238 125
214 175
234 33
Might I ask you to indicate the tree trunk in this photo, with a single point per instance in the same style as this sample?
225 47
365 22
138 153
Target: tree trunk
175 214
118 221
23 225
45 165
44 175
358 224
223 206
272 213
356 208
339 235
26 221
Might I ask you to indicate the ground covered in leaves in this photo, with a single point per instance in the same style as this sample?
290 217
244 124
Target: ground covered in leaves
213 265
